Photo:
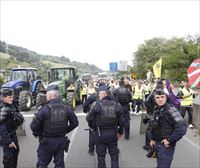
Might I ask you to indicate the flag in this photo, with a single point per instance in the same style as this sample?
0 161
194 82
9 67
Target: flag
157 68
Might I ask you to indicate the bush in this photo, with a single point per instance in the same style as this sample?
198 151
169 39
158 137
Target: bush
1 80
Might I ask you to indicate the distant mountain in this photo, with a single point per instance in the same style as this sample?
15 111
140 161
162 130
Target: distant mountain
13 56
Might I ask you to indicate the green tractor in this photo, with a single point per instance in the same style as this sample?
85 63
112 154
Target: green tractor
67 81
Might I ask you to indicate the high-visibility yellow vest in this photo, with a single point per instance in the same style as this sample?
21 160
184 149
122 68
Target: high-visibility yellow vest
188 100
84 91
138 92
147 89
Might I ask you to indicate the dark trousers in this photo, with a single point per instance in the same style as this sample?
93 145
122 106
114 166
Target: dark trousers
137 102
189 109
126 111
127 125
164 155
106 140
10 155
53 148
84 98
91 140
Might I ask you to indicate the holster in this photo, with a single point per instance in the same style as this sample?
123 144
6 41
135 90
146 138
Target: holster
42 140
66 144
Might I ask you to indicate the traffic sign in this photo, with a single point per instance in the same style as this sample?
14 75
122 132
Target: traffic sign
113 66
123 65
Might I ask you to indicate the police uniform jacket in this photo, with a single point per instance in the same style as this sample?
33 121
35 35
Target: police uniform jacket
96 110
38 123
167 123
10 119
88 102
123 97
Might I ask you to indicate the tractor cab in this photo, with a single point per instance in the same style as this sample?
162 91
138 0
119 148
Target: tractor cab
66 80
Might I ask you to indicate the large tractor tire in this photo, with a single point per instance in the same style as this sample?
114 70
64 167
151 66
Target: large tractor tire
39 88
71 99
25 100
41 99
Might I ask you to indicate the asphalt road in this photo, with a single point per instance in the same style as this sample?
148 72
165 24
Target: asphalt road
132 155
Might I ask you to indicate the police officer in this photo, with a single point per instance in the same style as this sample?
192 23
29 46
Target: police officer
123 96
10 119
105 117
86 107
167 126
52 122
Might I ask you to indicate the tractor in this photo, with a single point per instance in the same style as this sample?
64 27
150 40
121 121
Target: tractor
25 85
67 81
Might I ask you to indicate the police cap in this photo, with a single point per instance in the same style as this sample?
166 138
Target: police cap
7 92
159 92
52 87
103 88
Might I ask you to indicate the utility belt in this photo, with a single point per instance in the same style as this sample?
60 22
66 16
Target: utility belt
107 128
43 140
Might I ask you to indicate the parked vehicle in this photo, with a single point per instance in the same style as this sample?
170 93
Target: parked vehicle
67 81
26 85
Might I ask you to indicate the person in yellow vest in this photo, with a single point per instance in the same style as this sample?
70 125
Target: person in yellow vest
83 93
137 97
186 96
90 89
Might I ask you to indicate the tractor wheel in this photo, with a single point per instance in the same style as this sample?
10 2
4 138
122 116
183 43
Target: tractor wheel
39 88
41 99
25 100
71 99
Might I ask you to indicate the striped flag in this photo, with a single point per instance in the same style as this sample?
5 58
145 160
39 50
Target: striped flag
193 73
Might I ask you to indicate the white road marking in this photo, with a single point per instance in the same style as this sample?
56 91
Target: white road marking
192 143
71 139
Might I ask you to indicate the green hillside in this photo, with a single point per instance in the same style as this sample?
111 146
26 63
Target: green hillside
13 56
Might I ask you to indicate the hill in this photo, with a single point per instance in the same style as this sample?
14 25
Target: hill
13 56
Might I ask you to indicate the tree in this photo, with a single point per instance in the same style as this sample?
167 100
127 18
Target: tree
177 54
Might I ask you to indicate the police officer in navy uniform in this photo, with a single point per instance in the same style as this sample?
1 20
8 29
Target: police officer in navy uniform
51 123
105 116
10 119
86 107
167 126
123 96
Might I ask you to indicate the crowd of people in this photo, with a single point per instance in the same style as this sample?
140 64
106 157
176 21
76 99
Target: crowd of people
108 106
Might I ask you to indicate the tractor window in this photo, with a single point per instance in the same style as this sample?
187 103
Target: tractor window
60 74
31 76
72 76
18 75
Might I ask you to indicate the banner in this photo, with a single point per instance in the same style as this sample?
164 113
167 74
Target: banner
157 68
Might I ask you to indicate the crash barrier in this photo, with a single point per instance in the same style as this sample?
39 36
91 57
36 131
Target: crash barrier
196 111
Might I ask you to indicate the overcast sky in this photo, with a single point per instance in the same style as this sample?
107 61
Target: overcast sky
96 32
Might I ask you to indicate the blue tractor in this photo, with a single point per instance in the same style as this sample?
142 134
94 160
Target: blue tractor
25 85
